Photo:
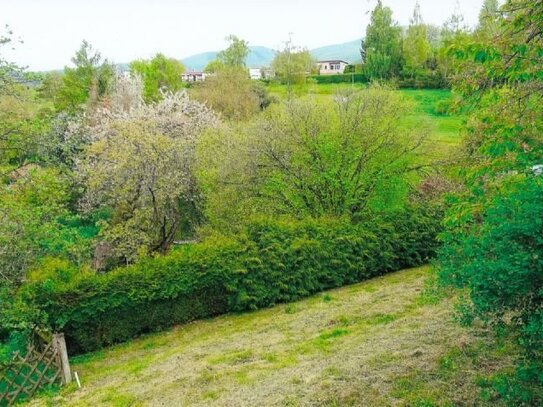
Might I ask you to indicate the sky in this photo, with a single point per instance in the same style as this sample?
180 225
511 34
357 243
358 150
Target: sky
124 30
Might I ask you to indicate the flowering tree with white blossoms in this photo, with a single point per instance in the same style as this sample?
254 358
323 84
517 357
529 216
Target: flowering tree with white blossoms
138 168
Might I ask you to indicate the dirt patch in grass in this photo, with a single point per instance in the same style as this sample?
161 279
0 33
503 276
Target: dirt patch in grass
384 342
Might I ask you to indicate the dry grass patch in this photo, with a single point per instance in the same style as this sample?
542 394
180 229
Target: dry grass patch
385 342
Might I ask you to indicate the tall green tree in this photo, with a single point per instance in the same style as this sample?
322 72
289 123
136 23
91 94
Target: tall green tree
214 66
23 118
232 58
235 55
416 47
292 64
489 19
492 246
382 45
160 74
454 33
89 80
455 24
9 71
35 222
230 92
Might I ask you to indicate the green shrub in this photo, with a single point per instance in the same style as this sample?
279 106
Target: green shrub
356 68
422 80
497 254
273 262
102 309
340 78
442 107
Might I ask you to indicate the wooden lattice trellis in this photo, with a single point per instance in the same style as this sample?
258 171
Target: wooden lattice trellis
44 363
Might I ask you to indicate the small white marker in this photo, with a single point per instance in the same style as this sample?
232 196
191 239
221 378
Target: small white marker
77 380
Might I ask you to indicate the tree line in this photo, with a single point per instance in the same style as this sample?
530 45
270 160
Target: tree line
420 52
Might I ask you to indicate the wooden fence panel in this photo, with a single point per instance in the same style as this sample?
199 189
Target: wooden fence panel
44 363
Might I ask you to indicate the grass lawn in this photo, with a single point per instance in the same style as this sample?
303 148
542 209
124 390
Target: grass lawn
444 129
384 342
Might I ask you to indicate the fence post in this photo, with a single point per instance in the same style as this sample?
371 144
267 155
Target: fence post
60 344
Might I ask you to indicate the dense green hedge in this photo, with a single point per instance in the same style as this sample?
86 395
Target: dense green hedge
273 262
340 78
420 80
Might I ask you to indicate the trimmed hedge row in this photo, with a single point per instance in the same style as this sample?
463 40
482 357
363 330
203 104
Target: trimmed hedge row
425 80
340 78
273 262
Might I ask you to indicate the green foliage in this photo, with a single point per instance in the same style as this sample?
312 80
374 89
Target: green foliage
231 59
406 80
214 66
9 71
356 68
160 74
235 55
232 93
13 343
442 107
499 260
36 222
501 266
340 78
291 65
24 124
306 157
416 47
421 79
492 244
50 86
489 19
382 45
522 388
90 80
139 167
152 295
419 58
274 261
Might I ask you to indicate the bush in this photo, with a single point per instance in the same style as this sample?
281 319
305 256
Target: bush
356 68
497 254
340 78
442 107
102 309
273 262
422 80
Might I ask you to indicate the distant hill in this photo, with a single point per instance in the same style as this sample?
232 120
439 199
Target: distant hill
348 51
258 57
263 56
199 61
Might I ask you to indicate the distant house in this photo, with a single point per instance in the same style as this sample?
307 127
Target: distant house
261 73
255 73
267 73
331 67
193 76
